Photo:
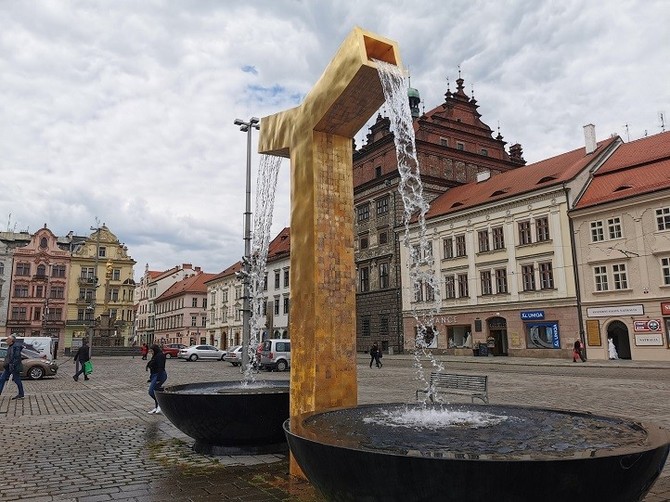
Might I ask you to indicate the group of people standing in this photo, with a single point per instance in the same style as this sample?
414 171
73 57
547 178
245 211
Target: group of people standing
375 355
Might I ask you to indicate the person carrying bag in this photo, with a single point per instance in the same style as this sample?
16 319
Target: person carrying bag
83 355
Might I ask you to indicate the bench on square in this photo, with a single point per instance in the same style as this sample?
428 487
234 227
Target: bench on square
475 386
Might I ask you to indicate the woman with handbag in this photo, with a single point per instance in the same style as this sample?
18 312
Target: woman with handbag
156 368
12 366
83 355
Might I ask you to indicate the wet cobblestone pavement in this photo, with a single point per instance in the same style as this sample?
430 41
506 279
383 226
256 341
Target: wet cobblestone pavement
94 441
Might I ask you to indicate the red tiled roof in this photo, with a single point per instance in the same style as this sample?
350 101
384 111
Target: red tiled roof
280 245
191 284
636 168
546 173
235 267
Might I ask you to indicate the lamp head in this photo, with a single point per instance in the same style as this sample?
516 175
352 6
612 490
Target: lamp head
238 122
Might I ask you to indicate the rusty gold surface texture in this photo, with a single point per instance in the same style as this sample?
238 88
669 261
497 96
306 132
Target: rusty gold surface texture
317 137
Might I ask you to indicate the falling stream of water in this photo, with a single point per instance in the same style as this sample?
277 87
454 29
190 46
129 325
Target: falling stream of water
421 271
266 188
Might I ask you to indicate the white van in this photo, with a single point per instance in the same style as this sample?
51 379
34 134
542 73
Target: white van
43 344
275 354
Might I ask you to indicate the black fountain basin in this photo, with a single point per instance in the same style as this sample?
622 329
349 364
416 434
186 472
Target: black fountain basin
477 453
229 418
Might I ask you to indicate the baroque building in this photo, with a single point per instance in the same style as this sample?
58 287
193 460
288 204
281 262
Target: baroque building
100 291
453 145
8 241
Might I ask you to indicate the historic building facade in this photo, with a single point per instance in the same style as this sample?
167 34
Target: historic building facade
38 295
502 261
8 242
100 291
181 312
622 244
453 145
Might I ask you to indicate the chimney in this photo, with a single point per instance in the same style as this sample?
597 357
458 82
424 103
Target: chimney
590 138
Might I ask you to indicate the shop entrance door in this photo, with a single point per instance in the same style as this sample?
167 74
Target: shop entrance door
497 337
618 332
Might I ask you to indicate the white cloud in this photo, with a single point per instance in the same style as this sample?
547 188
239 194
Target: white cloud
124 110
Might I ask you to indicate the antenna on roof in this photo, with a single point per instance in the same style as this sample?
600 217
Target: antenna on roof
661 117
627 133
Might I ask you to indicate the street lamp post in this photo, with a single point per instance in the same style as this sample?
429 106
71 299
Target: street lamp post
247 127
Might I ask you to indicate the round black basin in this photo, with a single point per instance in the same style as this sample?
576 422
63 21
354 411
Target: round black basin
399 452
228 418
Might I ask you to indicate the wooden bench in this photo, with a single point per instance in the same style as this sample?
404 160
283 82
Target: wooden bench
475 386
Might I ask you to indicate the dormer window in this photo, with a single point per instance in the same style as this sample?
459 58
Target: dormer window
546 179
460 146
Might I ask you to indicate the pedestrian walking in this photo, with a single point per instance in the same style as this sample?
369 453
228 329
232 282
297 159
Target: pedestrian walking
577 351
144 350
12 366
374 354
82 356
156 368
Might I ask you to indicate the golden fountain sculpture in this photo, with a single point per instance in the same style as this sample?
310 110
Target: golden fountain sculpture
317 136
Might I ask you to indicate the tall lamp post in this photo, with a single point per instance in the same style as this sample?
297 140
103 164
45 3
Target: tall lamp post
247 127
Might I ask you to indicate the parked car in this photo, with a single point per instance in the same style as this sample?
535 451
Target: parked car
276 354
34 365
234 355
172 349
195 352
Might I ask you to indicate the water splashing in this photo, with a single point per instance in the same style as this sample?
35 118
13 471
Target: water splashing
266 188
421 271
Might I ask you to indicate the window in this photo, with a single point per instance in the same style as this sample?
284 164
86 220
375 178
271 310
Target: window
116 274
418 291
486 282
449 287
286 306
2 268
265 282
430 292
87 273
20 291
378 171
597 232
483 238
484 152
498 238
619 275
383 325
383 237
41 271
382 206
528 278
460 245
23 269
501 280
524 232
224 296
43 243
665 270
19 313
600 276
542 229
39 291
58 271
194 320
663 218
448 247
365 325
102 251
276 305
364 277
277 275
444 141
546 276
363 212
115 295
463 290
383 275
460 146
238 292
363 241
57 292
614 228
37 314
286 277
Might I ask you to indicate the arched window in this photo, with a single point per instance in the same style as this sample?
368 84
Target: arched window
41 270
43 242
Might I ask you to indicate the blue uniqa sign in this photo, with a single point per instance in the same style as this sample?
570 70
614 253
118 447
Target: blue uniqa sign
532 315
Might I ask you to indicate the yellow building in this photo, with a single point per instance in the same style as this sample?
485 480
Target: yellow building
100 291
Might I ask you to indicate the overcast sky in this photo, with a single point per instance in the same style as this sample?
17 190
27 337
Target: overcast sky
122 111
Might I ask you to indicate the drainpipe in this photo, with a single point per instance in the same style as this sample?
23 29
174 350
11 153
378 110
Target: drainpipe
575 271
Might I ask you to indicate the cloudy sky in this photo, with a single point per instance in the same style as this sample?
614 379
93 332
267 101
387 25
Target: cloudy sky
122 111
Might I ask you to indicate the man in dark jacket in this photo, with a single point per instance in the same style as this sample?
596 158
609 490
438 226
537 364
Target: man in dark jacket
82 355
156 368
12 366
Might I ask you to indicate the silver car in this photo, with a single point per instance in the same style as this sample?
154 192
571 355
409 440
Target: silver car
195 352
234 355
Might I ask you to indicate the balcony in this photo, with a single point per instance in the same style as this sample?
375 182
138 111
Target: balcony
54 323
40 277
87 281
79 322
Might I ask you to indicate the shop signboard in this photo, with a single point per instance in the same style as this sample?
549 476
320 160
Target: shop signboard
649 339
646 325
621 310
665 308
532 315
